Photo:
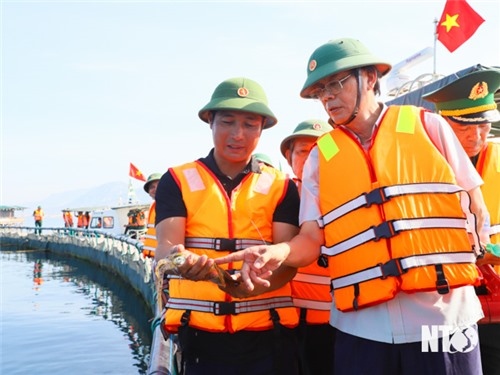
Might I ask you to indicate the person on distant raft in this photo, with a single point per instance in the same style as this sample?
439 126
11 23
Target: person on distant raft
468 105
383 198
216 205
68 219
38 216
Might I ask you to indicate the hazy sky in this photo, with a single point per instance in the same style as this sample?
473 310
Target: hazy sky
89 86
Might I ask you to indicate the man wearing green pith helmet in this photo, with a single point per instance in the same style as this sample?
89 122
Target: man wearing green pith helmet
468 105
311 285
382 198
217 205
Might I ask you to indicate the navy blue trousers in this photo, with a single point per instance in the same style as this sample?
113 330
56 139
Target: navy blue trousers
354 355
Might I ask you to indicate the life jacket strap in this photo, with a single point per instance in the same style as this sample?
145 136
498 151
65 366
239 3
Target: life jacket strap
222 244
397 267
383 194
388 229
229 308
442 285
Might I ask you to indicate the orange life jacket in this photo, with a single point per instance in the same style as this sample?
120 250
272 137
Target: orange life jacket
136 219
79 223
150 242
391 221
85 220
311 291
38 214
68 219
216 225
488 166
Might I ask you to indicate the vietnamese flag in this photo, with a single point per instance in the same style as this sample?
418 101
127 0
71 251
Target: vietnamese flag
457 24
136 173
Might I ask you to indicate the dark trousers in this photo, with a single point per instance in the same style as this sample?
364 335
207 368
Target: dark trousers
354 355
272 352
489 339
316 348
38 224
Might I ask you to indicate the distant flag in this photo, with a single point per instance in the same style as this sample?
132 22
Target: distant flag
136 173
457 24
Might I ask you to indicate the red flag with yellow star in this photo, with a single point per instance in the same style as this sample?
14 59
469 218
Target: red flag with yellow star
136 173
457 24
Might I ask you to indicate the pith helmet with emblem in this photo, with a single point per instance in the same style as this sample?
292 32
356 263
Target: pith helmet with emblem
337 56
310 128
240 94
469 100
152 178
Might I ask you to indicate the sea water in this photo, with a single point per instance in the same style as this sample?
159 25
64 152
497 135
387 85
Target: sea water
61 315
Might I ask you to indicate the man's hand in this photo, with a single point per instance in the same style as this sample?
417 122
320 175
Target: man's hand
195 267
259 262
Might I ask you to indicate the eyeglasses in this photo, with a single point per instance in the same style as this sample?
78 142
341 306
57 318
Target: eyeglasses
333 87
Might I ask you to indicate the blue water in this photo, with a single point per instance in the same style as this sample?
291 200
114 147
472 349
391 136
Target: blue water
61 315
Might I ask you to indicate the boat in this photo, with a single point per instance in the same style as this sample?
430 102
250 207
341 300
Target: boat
410 92
128 220
8 217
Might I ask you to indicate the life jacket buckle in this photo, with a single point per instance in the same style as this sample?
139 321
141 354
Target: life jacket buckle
224 308
322 261
225 244
376 196
442 286
384 230
391 268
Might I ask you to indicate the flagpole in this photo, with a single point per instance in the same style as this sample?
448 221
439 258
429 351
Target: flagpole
435 45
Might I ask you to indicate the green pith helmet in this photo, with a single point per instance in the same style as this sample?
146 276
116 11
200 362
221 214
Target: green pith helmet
240 94
337 56
153 177
469 99
263 158
309 128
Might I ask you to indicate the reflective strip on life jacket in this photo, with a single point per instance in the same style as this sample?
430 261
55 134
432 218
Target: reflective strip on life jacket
388 229
229 308
397 267
312 279
222 244
381 195
313 305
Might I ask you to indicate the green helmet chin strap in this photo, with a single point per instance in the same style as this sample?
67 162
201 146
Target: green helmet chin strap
358 100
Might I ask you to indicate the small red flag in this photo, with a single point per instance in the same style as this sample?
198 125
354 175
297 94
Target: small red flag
457 24
136 173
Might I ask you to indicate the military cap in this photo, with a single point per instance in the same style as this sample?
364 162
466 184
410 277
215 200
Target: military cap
263 158
309 128
240 94
469 99
153 177
339 55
